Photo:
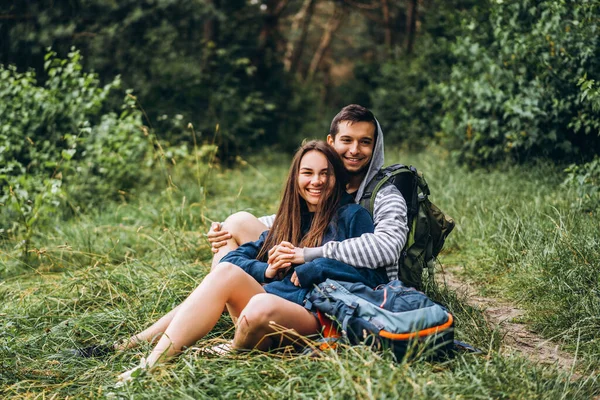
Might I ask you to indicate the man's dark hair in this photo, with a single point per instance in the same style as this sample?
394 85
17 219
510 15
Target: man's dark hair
352 113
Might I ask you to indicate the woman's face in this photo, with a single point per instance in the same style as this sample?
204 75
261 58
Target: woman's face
312 178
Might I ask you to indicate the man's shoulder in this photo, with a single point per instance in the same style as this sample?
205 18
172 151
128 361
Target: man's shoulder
389 200
388 189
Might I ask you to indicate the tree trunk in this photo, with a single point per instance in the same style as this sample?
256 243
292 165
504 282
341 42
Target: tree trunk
386 25
210 33
295 48
332 25
266 38
411 23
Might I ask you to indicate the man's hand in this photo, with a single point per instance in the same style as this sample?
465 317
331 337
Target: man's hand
281 252
217 236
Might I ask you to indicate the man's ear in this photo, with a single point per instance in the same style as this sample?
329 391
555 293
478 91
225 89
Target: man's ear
330 140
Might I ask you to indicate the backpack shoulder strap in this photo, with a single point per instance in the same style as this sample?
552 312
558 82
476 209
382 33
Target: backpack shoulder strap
422 183
381 178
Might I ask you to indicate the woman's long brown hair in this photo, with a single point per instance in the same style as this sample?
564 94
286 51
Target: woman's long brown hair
288 224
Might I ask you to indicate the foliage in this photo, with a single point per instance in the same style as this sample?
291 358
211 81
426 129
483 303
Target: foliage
513 93
57 143
585 178
406 98
200 62
406 102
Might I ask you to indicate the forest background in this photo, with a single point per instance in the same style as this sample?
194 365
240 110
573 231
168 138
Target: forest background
120 115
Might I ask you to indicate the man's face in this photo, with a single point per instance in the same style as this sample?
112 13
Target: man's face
354 142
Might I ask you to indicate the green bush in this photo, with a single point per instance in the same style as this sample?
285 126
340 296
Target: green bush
188 61
406 98
516 90
58 143
585 178
406 101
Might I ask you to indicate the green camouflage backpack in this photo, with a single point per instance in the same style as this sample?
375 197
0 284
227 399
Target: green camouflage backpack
428 225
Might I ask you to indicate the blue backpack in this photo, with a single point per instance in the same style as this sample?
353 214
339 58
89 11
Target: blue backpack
393 316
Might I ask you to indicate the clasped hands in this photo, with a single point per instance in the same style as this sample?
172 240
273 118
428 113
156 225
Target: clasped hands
281 258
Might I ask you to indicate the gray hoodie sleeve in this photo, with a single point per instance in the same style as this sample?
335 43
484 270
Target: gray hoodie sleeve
383 247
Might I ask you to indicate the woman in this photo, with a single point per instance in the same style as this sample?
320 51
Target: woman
314 209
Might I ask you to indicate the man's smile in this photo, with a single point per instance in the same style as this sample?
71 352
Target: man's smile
354 159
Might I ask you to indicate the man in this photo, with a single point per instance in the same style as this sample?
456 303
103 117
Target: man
357 137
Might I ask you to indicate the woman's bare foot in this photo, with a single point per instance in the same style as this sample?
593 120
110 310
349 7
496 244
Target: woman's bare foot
219 350
126 344
128 376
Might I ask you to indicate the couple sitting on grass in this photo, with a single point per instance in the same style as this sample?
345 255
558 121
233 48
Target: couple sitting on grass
264 268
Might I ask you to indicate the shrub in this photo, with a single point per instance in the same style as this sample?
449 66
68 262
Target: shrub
57 143
406 98
188 61
585 178
406 101
515 92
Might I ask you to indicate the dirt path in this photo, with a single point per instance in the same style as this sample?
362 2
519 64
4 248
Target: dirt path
501 315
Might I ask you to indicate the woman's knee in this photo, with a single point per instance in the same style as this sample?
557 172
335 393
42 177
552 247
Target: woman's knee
240 217
243 227
226 272
236 222
258 313
229 269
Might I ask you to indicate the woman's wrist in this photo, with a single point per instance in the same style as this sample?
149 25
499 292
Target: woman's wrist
270 273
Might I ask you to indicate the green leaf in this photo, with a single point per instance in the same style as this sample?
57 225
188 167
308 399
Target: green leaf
68 154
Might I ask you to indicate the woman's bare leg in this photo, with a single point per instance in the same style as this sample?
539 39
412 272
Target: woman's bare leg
243 227
150 334
255 331
227 285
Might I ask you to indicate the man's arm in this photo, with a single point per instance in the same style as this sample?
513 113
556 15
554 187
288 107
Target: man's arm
242 227
373 250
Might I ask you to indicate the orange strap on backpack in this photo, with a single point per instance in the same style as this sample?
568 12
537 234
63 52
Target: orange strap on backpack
328 330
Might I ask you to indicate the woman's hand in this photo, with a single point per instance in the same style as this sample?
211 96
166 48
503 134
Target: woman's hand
217 236
277 270
286 251
281 258
279 261
295 279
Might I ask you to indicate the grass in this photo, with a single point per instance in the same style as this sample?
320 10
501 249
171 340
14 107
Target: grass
109 272
521 235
